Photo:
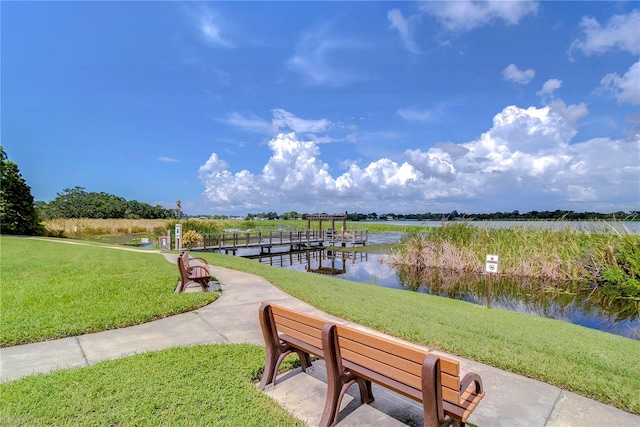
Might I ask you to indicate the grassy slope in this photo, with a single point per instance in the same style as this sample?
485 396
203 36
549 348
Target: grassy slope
602 366
52 290
202 385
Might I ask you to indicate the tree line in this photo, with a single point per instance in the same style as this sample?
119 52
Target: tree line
557 214
78 203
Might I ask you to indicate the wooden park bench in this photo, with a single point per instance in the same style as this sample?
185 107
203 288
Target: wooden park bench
190 272
355 356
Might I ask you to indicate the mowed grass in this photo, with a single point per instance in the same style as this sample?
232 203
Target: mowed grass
52 290
592 363
209 385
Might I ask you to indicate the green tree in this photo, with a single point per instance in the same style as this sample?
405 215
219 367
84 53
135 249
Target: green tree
18 213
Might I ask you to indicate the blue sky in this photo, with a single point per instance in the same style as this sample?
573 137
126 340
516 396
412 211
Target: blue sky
405 107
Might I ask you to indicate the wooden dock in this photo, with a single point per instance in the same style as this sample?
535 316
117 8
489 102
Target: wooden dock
295 240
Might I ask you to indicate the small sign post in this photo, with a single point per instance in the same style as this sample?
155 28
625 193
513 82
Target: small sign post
491 267
178 237
492 264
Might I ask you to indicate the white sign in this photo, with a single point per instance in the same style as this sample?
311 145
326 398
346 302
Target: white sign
492 264
178 231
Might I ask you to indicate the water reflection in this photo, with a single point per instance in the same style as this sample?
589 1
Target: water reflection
582 307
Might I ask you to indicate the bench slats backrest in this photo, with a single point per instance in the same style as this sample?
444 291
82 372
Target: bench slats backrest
396 361
301 326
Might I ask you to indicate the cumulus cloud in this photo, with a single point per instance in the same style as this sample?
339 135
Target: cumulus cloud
398 22
512 73
528 156
620 33
626 88
466 15
570 113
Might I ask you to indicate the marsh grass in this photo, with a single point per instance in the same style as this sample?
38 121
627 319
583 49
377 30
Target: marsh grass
562 255
53 290
210 385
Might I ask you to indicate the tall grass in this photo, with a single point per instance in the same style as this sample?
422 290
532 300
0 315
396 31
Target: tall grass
599 256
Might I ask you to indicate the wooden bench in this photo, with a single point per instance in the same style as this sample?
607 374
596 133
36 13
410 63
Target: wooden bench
354 356
192 273
289 331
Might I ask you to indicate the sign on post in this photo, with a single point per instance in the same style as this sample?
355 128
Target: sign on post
492 264
178 237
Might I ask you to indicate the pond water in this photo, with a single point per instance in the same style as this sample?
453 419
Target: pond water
519 295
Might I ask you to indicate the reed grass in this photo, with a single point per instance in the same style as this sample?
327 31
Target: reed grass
563 255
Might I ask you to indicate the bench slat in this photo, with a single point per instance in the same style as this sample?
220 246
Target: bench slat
297 316
465 407
298 325
316 342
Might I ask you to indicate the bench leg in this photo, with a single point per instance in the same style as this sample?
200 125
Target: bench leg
432 394
338 379
276 351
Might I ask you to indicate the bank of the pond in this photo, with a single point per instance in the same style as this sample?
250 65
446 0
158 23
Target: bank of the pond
520 295
595 364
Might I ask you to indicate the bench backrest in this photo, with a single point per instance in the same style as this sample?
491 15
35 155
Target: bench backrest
394 364
300 329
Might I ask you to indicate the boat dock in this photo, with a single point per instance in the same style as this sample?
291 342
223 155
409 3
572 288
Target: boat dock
294 240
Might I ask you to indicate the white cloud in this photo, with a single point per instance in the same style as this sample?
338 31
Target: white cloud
209 27
621 32
626 88
404 27
315 59
414 115
168 159
283 119
466 15
549 87
528 157
512 73
571 113
251 123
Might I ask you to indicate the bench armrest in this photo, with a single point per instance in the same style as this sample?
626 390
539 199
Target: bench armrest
202 260
471 378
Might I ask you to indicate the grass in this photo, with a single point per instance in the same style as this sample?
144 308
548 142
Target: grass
592 363
595 364
209 385
602 256
52 290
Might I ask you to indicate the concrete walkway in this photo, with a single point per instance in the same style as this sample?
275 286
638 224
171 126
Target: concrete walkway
510 400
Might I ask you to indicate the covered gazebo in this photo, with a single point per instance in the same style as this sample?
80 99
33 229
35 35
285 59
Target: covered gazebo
325 217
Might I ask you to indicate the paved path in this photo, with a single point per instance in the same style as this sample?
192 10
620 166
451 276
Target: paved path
510 400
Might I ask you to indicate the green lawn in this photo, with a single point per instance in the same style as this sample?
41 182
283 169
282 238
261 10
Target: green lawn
209 385
53 290
596 364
